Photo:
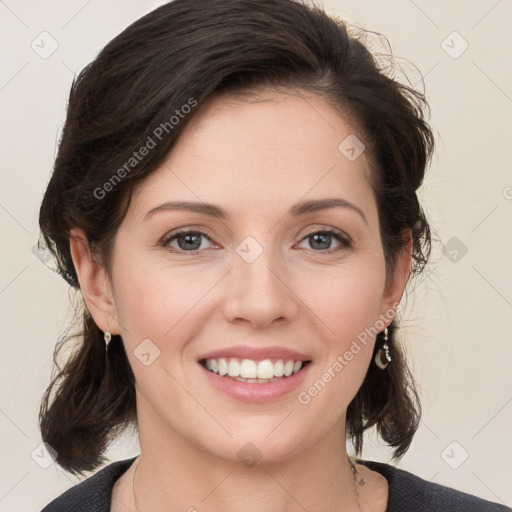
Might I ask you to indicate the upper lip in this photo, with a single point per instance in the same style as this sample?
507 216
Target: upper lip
256 353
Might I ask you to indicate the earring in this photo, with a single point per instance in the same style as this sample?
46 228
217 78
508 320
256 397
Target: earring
107 337
383 357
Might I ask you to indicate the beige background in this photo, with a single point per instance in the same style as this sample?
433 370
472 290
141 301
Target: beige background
457 322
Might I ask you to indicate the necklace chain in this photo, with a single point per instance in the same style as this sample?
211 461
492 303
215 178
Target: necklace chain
355 472
133 484
352 467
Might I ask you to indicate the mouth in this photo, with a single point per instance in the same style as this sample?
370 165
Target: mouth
251 371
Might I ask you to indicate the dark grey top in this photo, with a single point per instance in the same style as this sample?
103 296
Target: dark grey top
407 493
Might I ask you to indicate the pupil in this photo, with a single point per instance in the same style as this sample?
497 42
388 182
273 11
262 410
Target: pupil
320 236
189 241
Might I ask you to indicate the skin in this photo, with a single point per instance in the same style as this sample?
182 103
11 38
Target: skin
255 156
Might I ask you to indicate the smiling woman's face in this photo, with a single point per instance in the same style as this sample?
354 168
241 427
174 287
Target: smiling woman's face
258 278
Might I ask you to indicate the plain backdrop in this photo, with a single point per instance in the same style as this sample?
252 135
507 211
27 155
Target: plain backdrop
457 321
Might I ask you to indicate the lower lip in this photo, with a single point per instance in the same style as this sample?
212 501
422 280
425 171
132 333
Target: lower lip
256 393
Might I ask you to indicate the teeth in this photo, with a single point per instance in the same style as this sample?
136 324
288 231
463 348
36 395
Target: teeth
247 370
279 368
223 366
233 368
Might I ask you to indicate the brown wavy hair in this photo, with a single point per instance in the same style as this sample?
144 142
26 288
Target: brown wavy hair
194 49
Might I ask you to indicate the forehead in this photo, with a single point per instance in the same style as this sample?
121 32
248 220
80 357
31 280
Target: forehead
263 150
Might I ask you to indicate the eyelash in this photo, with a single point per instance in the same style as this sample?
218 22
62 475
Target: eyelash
338 235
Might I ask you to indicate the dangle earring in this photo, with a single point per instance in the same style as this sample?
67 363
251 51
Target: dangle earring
107 337
383 357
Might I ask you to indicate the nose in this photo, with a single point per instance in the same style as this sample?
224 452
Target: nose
259 293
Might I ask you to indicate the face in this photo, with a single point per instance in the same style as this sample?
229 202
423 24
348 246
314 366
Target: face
266 277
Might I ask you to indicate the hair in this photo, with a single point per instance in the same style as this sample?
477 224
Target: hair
150 80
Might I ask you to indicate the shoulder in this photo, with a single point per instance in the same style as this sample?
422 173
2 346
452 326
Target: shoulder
409 492
92 494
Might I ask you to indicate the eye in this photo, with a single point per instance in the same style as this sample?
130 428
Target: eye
187 240
191 241
321 240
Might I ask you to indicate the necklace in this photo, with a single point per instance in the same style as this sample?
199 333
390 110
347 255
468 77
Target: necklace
133 484
355 472
352 467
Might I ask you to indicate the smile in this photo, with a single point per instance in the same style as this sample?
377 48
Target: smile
252 371
287 376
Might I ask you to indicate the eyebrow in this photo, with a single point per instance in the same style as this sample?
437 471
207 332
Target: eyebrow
217 212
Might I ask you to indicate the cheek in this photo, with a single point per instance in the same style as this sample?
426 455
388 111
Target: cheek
348 306
347 300
156 302
162 306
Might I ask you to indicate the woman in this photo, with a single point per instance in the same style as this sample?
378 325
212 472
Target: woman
235 197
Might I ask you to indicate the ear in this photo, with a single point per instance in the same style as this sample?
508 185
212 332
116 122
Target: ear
94 283
395 284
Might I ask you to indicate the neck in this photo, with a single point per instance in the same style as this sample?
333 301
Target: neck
176 475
